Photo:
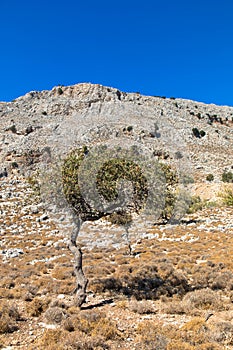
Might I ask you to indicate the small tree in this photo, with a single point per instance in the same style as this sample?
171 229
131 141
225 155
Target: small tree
119 188
118 211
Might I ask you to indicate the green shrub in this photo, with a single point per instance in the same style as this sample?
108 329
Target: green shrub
195 205
59 91
196 132
202 133
227 196
227 176
210 177
14 165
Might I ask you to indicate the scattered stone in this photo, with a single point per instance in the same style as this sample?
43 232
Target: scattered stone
11 253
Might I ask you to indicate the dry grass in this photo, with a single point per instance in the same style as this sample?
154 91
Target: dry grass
9 314
158 298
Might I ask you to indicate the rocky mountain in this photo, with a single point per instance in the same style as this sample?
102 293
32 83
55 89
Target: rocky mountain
200 136
175 290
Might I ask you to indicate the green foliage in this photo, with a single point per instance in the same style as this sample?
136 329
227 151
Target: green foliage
195 205
187 179
14 165
59 91
112 173
116 169
210 177
198 133
202 133
107 180
71 189
227 176
227 196
172 180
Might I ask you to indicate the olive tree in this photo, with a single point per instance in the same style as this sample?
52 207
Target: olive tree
115 187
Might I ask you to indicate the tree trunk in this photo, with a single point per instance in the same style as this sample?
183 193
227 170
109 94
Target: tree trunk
80 278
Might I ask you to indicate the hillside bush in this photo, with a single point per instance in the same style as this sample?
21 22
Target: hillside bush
210 177
227 196
196 132
227 176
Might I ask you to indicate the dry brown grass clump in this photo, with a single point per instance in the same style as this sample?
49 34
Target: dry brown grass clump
179 345
9 315
151 336
37 306
93 324
88 330
63 340
141 307
55 314
204 299
223 333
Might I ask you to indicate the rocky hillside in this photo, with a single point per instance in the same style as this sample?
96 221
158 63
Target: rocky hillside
200 136
175 290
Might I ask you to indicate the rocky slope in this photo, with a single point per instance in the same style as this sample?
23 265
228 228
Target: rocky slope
178 275
85 113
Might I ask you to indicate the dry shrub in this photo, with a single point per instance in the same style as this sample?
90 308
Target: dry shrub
223 333
9 314
51 340
209 346
203 299
62 273
32 289
223 280
80 341
122 304
179 345
94 324
73 310
106 329
6 293
55 314
68 325
7 282
174 307
141 307
151 336
37 306
195 332
103 285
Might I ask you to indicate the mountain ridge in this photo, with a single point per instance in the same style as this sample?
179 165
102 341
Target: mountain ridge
64 117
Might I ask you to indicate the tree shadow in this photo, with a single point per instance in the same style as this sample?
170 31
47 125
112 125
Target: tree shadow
102 303
144 288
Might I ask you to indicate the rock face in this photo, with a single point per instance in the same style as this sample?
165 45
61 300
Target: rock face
39 124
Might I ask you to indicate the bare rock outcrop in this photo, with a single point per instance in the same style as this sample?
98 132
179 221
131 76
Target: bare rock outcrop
57 120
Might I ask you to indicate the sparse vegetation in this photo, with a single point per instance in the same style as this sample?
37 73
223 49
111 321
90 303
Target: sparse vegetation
198 133
227 196
175 290
210 177
227 176
59 91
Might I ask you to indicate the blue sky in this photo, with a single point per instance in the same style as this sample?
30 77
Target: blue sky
167 48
